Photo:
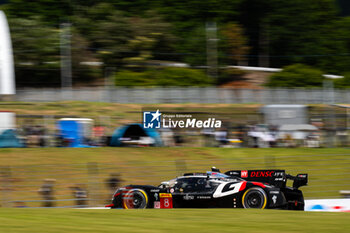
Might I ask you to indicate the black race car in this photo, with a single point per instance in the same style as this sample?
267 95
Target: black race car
233 189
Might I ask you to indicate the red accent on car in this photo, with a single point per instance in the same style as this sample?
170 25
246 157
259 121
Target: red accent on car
166 202
110 205
117 194
244 184
244 174
259 184
261 174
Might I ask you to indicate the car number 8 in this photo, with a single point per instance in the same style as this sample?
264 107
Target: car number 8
166 202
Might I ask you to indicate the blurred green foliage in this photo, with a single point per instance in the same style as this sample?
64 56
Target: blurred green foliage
342 82
297 75
163 77
126 34
36 50
309 32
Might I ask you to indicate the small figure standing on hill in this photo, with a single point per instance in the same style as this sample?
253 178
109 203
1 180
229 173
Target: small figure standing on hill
80 195
114 182
47 193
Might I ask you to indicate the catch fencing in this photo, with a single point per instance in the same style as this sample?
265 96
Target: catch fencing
21 186
186 95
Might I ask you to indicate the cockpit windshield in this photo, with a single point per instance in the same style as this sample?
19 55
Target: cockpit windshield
217 174
223 177
172 183
198 181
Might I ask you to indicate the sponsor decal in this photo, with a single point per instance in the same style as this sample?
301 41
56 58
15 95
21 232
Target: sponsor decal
188 197
157 204
156 196
234 173
171 190
278 174
162 195
261 173
274 199
274 192
166 200
154 190
244 174
203 197
226 189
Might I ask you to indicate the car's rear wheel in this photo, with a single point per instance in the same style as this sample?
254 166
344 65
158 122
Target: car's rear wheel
254 198
135 199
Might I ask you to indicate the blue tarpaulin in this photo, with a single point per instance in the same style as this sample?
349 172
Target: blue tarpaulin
8 138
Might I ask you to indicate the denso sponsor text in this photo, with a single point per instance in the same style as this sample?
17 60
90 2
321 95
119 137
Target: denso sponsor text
261 173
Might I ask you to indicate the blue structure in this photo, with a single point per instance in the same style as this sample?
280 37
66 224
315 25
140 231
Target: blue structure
8 139
73 131
133 132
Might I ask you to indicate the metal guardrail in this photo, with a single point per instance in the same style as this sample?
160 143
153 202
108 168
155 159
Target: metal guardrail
186 95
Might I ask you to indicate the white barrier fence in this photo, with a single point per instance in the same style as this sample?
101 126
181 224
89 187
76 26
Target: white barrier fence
186 95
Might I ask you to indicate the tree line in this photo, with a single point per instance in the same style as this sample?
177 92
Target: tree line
128 35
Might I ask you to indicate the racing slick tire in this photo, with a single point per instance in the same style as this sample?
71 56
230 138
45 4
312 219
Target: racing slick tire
135 199
254 197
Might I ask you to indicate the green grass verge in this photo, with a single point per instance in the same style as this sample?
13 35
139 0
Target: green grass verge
175 220
328 169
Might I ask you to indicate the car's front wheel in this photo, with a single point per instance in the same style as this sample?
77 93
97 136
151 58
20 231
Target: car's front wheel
135 199
254 197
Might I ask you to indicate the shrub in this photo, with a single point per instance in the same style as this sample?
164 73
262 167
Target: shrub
342 82
163 77
297 75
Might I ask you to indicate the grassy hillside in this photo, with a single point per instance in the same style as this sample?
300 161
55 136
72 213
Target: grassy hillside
114 114
23 170
175 220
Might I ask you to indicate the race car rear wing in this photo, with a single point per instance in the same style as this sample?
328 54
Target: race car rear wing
299 180
273 177
277 178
